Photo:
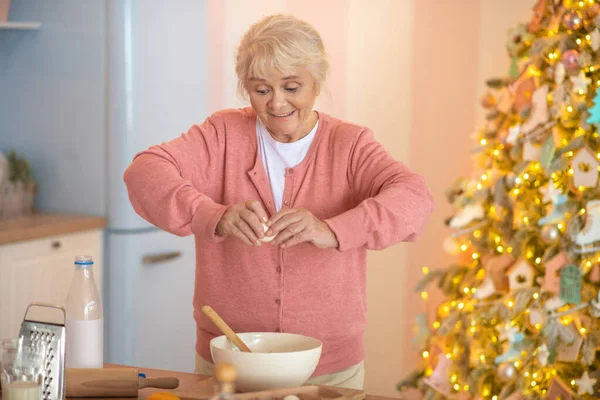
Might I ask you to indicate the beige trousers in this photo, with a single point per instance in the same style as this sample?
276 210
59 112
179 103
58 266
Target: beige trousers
350 378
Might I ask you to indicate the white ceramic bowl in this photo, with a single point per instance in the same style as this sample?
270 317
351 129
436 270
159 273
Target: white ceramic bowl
277 360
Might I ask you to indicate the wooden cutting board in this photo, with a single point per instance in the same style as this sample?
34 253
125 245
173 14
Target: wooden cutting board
205 390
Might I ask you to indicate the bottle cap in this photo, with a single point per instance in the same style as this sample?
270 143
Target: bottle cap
84 260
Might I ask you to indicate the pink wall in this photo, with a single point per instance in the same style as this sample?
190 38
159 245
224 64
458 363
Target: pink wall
316 12
445 64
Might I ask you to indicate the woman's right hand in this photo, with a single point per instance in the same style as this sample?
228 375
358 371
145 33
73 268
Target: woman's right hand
244 221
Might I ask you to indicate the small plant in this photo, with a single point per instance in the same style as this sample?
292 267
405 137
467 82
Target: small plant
19 169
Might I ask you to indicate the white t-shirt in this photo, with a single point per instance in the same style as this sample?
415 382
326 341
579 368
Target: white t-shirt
277 157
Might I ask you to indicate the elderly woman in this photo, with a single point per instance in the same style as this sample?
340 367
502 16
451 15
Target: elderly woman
284 202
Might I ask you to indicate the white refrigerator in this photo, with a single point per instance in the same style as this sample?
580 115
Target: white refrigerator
156 89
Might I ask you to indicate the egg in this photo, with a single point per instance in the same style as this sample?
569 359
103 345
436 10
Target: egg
266 239
291 397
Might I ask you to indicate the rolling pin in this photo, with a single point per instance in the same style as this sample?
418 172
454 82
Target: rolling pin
111 382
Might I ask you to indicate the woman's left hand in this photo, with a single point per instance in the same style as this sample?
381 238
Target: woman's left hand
298 225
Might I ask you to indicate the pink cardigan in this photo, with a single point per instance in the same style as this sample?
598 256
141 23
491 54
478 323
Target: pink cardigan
369 200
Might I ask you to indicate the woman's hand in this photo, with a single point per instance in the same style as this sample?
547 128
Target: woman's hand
297 225
244 221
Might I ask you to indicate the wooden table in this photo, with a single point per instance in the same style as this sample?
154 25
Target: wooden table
186 380
41 225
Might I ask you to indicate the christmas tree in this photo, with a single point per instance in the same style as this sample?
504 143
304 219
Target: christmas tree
521 318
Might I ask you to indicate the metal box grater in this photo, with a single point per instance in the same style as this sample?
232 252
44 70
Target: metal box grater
53 386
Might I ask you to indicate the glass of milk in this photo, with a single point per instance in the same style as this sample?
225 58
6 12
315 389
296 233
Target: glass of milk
21 369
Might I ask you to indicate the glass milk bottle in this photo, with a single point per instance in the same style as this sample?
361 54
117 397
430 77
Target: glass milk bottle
85 319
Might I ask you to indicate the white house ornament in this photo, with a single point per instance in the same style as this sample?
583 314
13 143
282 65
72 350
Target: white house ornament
585 384
520 275
585 168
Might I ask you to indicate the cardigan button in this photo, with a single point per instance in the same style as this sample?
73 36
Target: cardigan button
277 301
278 269
286 202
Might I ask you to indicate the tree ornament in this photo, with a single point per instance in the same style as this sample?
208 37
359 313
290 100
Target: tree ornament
438 380
585 168
551 281
588 239
568 351
543 354
570 284
466 215
580 82
570 59
559 390
518 40
507 372
550 234
539 11
572 20
539 113
520 275
585 384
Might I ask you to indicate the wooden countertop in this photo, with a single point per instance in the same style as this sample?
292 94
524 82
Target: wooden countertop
186 380
42 225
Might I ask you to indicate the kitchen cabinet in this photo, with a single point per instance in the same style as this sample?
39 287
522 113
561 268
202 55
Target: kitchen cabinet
36 263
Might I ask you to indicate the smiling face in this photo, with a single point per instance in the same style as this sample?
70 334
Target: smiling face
284 102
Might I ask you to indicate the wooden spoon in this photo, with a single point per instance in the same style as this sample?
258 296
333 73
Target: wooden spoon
223 327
